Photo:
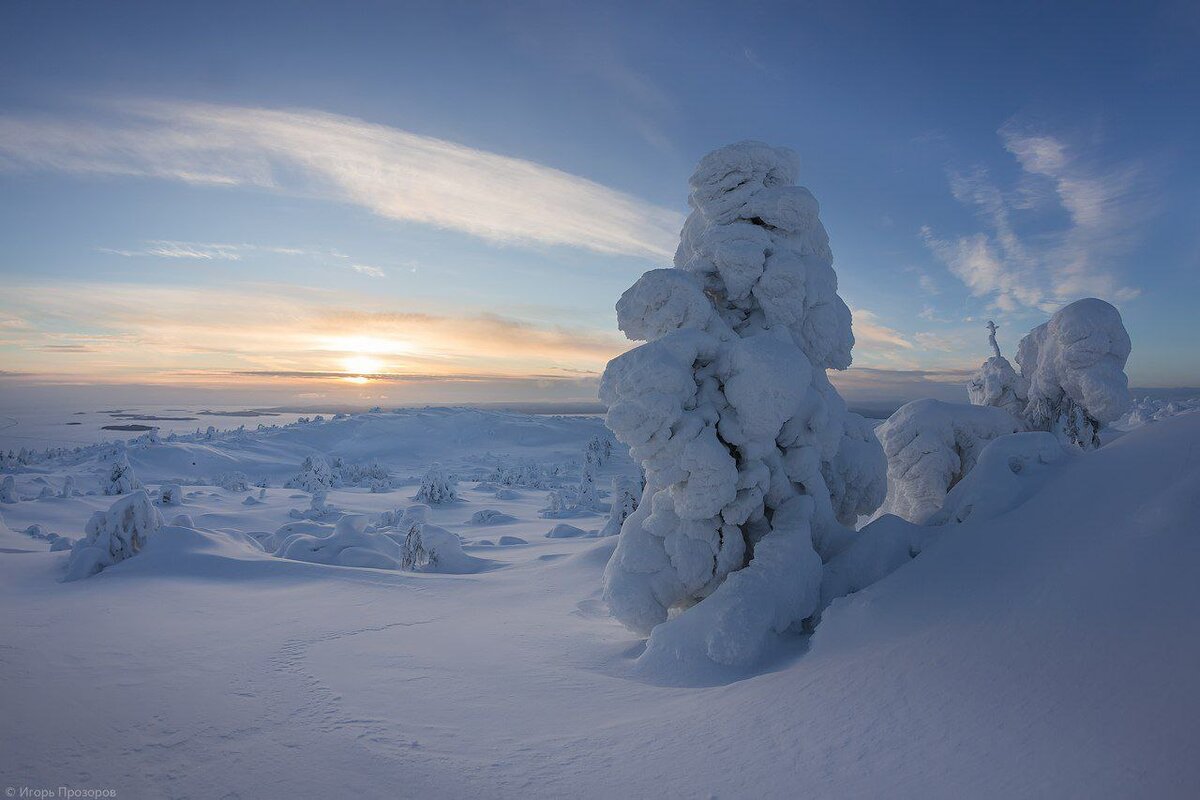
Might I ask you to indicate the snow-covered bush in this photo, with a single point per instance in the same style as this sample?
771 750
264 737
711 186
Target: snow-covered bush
232 481
997 383
930 446
527 474
1009 470
318 507
559 503
315 475
625 493
114 535
1075 365
490 516
170 494
426 547
8 490
120 478
728 409
437 487
68 489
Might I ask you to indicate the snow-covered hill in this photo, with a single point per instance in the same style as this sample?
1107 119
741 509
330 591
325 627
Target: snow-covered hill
1048 651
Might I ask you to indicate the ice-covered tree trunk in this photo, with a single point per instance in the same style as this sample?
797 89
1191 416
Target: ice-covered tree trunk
1075 365
754 469
997 383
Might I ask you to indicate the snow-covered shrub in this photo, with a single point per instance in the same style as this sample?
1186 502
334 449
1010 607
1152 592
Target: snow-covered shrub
728 409
425 547
527 474
46 493
490 516
347 544
559 503
315 475
930 446
625 493
997 383
210 434
587 497
1009 471
8 490
68 489
120 478
114 535
1075 365
318 507
437 487
232 481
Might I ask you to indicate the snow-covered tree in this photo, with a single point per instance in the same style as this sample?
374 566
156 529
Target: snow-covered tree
315 475
1075 365
997 383
120 478
68 489
437 486
170 494
625 493
728 409
8 490
588 498
114 535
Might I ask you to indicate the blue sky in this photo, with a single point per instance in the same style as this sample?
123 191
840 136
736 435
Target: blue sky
265 194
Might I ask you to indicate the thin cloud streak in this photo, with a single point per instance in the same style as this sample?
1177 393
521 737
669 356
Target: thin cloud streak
391 172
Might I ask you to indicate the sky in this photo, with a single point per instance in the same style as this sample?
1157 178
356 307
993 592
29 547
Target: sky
441 202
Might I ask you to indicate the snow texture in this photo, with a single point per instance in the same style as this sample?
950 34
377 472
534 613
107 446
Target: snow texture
930 446
753 466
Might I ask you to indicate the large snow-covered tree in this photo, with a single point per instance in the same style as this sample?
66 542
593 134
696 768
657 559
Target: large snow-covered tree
997 383
755 471
114 535
1075 365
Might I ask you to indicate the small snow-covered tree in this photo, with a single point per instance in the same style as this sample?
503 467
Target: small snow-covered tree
1075 365
997 383
588 498
68 489
625 493
8 490
170 494
728 408
315 475
437 487
114 535
120 478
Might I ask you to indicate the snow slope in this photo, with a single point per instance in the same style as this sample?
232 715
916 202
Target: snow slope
1049 651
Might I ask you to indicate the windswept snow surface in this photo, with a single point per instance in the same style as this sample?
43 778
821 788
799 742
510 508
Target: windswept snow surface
1051 650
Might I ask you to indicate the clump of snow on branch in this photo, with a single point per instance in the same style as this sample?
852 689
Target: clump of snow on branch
754 468
930 446
114 535
1075 364
437 487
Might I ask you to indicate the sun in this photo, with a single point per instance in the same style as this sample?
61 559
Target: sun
362 365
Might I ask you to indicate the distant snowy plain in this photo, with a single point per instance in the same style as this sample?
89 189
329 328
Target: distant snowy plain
1050 651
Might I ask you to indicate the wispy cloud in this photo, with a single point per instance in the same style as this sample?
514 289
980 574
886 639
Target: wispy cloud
209 251
368 270
1017 261
391 172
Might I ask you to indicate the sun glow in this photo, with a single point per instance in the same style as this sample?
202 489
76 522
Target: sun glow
362 365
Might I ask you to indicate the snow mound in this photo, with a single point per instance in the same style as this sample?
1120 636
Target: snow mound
930 445
1008 471
564 531
346 544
